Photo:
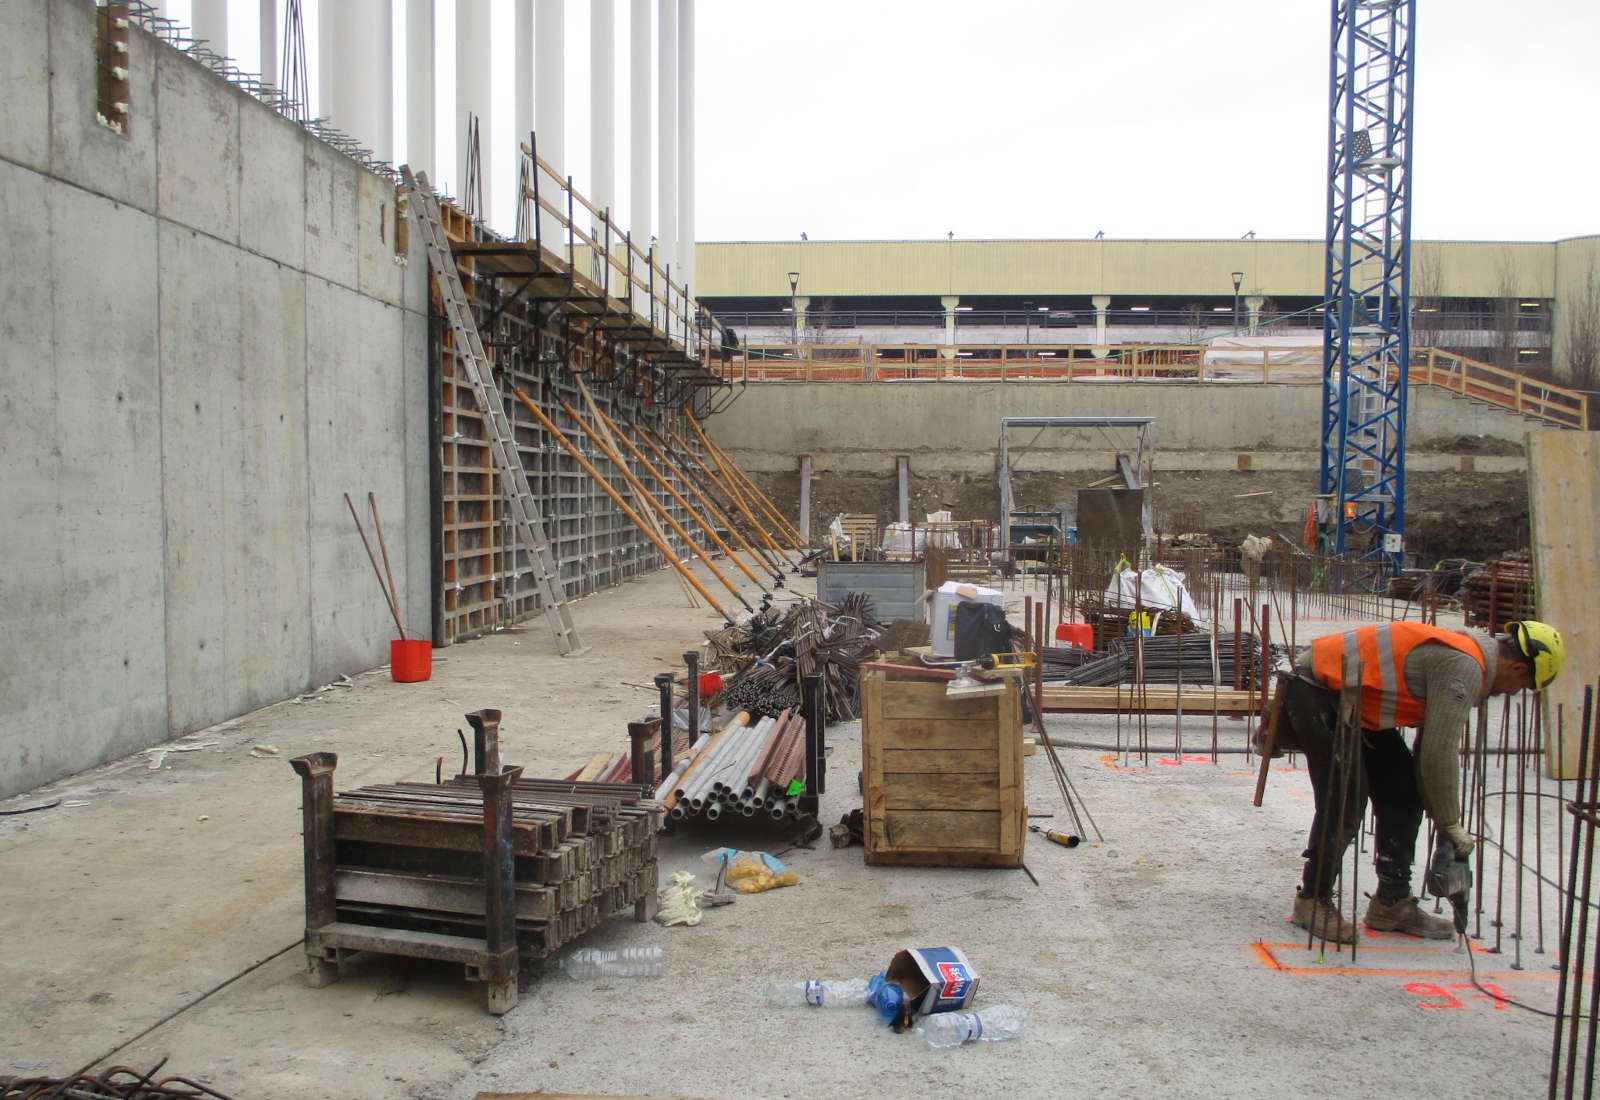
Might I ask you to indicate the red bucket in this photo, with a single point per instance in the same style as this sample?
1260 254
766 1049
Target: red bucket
1076 635
410 660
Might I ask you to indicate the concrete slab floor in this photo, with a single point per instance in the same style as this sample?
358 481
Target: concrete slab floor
1158 963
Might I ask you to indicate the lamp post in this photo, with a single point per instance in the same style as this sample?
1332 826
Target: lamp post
794 309
1238 277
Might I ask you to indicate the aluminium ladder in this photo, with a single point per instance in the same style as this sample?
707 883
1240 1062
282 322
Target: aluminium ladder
527 520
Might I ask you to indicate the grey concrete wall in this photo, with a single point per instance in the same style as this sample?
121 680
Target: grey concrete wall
954 427
205 340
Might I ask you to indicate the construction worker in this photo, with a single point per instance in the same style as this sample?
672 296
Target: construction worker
1410 675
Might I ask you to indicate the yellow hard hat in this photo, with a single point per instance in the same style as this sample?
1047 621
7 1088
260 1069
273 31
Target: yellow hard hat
1541 644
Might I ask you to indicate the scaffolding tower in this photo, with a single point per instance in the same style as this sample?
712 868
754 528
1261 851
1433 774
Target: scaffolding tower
1367 299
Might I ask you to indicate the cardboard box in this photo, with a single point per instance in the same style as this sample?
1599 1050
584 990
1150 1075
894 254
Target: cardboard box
943 627
933 979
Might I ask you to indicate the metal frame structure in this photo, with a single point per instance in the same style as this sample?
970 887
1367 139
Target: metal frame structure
1366 328
1137 473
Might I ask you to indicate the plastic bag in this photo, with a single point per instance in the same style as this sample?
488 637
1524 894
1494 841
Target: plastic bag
751 872
678 901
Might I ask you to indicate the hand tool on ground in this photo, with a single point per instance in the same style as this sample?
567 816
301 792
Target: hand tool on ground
1450 876
1066 840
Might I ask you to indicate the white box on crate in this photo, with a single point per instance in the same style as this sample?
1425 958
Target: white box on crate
950 593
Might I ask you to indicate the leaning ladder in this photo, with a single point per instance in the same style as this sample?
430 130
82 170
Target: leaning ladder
526 518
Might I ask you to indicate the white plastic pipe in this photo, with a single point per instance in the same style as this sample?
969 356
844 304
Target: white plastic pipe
357 65
670 783
420 79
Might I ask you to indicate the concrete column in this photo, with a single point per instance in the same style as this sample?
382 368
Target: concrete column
208 19
1253 303
639 159
805 499
801 304
667 131
267 55
473 94
602 103
550 107
949 302
902 469
685 248
357 66
420 78
1102 302
522 73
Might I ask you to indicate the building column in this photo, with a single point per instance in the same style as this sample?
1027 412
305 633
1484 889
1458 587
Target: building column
805 499
550 108
420 77
357 55
1102 302
667 132
685 246
639 159
602 104
1253 303
902 469
267 54
949 302
801 302
474 96
208 19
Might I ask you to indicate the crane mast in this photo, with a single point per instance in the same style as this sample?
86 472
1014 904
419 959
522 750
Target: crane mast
1367 291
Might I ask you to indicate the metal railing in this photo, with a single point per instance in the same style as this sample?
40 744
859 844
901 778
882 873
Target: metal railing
1067 362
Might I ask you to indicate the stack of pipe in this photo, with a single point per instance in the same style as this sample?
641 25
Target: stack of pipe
744 770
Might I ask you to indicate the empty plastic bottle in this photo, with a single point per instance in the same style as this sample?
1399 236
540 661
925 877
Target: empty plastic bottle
951 1029
597 962
817 993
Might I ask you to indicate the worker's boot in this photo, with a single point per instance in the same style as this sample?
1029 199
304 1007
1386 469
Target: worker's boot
1406 916
1322 919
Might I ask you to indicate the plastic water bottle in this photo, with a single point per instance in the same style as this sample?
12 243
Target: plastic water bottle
951 1029
597 962
817 993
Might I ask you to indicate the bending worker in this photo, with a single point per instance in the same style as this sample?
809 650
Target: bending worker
1411 675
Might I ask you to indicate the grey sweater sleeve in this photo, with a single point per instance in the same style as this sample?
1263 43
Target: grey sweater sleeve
1453 685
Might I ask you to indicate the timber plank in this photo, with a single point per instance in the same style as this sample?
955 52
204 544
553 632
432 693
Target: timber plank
945 761
1564 509
923 790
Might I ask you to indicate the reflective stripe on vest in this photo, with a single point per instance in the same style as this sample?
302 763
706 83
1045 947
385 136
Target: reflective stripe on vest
1380 652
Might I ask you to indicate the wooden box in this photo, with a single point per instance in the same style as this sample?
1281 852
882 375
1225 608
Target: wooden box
941 777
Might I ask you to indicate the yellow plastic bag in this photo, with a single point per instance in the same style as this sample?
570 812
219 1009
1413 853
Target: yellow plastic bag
751 876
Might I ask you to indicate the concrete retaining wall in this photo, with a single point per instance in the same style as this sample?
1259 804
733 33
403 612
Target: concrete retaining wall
954 427
207 340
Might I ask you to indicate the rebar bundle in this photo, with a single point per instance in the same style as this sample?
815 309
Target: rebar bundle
116 1083
763 659
1162 659
1500 592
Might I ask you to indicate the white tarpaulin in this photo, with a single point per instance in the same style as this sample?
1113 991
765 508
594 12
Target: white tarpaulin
1157 589
1280 351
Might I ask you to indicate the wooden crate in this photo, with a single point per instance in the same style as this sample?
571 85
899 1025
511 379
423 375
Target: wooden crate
941 777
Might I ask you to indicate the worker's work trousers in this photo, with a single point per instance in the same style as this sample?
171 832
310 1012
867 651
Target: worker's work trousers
1344 776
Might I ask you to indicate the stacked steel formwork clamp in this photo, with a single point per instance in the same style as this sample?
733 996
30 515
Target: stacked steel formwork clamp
484 869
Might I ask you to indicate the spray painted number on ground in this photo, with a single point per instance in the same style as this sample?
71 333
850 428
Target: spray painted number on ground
1491 993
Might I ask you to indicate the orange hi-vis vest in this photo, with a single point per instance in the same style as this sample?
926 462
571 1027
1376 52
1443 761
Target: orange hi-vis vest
1380 652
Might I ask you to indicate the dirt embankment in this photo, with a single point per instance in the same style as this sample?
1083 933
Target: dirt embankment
1448 514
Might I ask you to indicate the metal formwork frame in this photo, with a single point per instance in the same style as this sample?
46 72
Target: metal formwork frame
1144 428
1366 328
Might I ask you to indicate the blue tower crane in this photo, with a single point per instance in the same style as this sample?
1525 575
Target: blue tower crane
1367 292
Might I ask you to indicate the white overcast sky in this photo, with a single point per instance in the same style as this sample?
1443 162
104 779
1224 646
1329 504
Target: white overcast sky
874 119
